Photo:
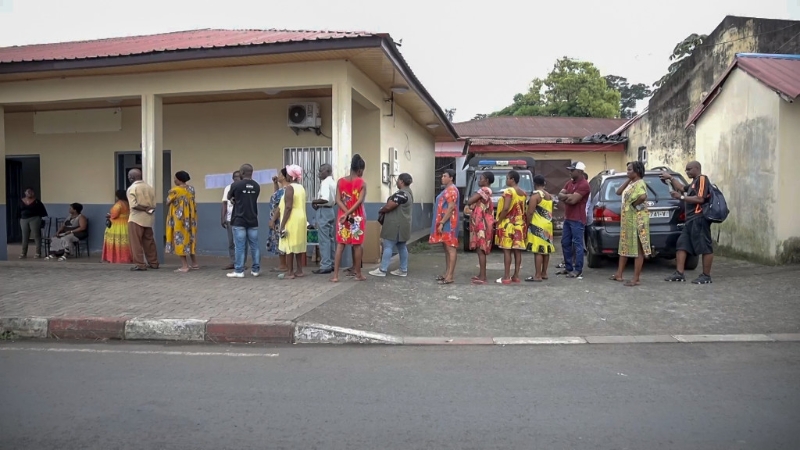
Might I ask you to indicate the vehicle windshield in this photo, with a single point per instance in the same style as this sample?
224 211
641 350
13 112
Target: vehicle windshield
525 183
657 189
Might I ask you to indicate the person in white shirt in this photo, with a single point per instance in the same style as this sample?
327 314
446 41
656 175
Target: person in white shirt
227 210
326 217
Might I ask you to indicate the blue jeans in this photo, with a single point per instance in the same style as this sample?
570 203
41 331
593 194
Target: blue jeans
326 217
572 241
388 249
246 236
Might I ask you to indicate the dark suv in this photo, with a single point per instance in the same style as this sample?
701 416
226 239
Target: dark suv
667 217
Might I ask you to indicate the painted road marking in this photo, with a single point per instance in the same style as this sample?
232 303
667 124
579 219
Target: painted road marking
139 352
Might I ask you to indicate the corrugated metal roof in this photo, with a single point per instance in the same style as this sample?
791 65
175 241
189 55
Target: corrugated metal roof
166 42
780 73
537 127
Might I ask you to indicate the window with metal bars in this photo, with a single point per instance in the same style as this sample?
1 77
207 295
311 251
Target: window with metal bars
310 159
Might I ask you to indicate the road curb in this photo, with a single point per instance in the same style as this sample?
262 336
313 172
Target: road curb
288 332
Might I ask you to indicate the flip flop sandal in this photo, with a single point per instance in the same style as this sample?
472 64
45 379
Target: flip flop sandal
439 278
194 267
502 281
515 280
533 280
562 272
443 282
630 284
614 278
478 282
181 271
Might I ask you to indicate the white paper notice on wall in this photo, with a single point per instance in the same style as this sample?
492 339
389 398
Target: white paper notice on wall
264 176
218 180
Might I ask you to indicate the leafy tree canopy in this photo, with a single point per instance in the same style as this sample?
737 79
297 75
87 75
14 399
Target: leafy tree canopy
572 89
629 94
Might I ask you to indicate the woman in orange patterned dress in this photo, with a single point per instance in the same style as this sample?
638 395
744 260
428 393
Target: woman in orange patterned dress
444 227
351 191
116 246
481 223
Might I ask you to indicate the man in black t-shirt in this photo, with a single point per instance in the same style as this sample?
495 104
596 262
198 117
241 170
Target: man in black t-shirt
695 239
244 221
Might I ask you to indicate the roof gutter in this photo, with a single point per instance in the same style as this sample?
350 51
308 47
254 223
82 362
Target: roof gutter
391 51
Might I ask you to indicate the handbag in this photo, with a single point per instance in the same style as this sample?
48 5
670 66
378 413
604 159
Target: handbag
381 218
108 223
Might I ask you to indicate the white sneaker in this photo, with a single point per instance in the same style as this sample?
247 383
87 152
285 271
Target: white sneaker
399 273
255 274
378 273
236 275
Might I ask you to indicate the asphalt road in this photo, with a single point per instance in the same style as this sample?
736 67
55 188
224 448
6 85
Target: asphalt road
642 396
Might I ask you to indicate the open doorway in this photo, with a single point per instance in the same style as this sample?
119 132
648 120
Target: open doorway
125 161
22 172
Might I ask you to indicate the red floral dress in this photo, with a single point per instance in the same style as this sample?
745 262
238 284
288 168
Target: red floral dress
481 222
352 232
449 234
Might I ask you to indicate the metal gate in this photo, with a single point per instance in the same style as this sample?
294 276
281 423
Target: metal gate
310 159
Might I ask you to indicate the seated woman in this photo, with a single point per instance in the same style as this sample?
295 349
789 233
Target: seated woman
73 230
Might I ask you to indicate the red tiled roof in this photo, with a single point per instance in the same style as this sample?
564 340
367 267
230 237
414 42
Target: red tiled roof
181 40
537 127
780 73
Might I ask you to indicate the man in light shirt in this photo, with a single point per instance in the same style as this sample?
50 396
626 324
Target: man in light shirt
142 201
326 218
227 210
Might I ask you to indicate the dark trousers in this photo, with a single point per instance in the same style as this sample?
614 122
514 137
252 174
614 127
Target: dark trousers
572 245
143 245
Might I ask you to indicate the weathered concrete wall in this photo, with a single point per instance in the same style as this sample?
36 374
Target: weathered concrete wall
788 230
661 129
737 143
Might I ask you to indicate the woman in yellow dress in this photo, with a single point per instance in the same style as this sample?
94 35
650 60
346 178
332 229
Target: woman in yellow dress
511 227
182 222
540 228
294 225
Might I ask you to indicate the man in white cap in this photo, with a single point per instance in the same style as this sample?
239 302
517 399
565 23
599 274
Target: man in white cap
574 195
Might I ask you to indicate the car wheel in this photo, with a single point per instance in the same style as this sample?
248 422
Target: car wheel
593 260
691 262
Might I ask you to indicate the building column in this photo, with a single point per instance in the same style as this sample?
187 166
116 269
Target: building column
342 121
152 156
3 210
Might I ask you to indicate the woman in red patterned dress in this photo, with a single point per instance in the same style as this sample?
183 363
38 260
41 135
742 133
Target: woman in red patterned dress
481 223
444 227
351 191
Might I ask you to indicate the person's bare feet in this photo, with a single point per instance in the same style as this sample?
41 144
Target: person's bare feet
299 274
334 279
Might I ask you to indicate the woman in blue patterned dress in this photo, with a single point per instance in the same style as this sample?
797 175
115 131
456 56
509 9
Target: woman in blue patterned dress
273 236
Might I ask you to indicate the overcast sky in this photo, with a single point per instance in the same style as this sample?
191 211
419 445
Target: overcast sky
469 56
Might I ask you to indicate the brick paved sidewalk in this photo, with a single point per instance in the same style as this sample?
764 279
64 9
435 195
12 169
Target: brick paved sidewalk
90 289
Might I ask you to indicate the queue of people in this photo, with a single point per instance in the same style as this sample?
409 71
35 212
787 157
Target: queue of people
521 222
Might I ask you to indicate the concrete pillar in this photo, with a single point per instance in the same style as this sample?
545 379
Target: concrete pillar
3 211
152 156
342 120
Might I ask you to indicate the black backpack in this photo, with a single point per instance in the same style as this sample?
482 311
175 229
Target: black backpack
715 209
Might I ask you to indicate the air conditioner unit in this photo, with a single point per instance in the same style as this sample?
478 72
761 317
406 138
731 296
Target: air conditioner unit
304 115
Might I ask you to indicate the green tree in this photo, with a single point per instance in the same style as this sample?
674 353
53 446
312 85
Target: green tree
572 89
682 50
629 94
450 113
480 116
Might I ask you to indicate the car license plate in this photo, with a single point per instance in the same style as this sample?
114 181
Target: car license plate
659 214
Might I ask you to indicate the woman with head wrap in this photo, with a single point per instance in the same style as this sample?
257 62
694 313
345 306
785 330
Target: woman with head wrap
293 229
182 222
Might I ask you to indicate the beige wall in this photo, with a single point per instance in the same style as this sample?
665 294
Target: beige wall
737 144
788 227
203 139
367 143
415 144
595 162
